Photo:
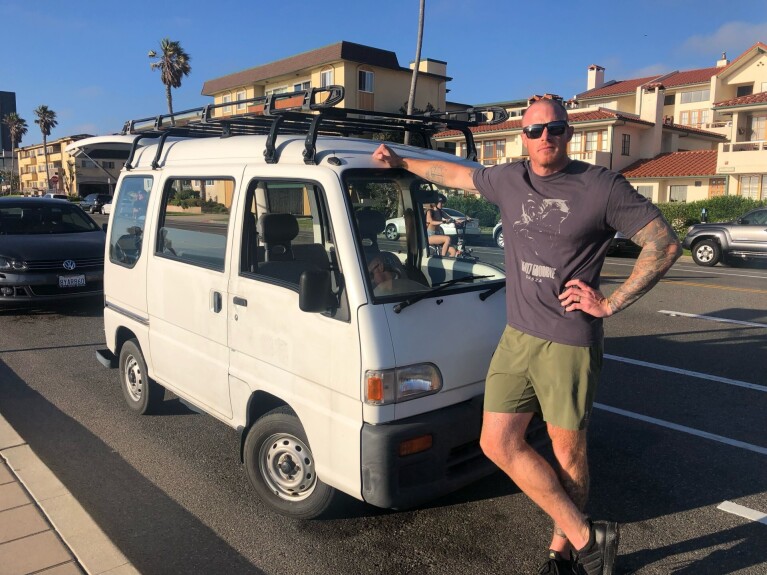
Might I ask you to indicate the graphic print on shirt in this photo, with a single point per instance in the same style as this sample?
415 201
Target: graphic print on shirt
541 220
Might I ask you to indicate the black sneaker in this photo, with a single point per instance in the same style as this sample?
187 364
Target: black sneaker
557 565
598 555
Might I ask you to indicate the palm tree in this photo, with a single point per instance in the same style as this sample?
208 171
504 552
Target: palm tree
46 119
414 79
173 63
17 127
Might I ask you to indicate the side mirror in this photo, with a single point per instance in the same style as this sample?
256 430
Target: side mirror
315 291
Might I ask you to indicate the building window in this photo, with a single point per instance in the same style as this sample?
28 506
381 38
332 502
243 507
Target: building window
490 152
326 78
758 128
677 194
576 143
108 165
696 96
745 90
626 144
749 187
366 81
226 100
280 90
645 191
668 100
240 102
697 118
302 86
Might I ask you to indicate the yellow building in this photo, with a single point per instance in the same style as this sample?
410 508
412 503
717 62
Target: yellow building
68 175
372 79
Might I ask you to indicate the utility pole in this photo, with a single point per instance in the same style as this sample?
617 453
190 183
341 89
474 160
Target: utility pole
414 79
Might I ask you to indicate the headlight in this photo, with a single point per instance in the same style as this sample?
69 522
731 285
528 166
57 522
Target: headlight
10 264
386 386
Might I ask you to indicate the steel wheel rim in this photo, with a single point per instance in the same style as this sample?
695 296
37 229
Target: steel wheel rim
134 382
705 253
500 239
391 233
287 466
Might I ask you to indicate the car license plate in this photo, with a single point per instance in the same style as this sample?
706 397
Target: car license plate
71 281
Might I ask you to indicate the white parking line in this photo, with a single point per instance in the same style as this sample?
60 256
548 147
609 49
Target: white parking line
676 427
688 373
712 318
741 511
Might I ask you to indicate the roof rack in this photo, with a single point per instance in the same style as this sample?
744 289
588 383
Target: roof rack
309 112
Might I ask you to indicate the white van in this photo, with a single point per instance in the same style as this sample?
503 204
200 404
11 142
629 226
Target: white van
250 275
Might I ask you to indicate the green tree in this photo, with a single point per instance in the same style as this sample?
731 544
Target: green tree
46 119
173 63
17 127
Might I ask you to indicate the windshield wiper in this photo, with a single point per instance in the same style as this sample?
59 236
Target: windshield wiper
418 297
486 294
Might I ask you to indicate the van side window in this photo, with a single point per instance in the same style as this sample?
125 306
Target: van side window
126 232
194 221
285 231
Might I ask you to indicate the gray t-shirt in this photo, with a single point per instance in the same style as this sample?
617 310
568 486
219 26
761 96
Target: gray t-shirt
559 228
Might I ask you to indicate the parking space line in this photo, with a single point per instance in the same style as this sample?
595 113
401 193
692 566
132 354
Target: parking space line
712 318
741 511
684 429
688 373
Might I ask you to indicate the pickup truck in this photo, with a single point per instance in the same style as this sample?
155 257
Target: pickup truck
744 238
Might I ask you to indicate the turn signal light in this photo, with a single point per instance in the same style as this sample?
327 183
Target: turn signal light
415 445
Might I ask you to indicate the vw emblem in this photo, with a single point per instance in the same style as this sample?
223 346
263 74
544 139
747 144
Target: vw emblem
69 265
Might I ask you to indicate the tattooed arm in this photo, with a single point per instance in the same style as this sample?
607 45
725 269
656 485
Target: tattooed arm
448 174
660 249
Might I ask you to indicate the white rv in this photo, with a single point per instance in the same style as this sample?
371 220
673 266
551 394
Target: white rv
247 271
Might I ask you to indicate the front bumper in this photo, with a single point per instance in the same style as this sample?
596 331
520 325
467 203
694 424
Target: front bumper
455 459
31 287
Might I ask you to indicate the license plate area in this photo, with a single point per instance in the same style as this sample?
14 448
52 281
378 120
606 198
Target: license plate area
72 281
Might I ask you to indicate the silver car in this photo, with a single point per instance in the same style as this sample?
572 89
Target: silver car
395 227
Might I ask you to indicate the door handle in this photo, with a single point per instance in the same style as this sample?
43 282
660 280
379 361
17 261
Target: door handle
216 301
240 301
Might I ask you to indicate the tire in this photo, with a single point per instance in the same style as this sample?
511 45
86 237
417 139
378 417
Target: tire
499 239
280 466
391 232
706 253
142 394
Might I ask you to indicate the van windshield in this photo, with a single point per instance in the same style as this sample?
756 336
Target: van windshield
400 255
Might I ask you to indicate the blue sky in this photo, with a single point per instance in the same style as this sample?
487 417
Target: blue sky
97 74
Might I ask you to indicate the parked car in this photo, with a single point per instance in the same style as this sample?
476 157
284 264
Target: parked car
53 196
106 209
619 242
395 227
744 238
93 203
49 250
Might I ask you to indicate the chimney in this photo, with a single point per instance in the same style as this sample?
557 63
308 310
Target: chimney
596 77
723 61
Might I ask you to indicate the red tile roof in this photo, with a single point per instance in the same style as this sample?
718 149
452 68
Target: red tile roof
670 80
676 164
759 98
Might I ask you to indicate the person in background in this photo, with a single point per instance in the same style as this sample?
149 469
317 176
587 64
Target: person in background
560 215
435 217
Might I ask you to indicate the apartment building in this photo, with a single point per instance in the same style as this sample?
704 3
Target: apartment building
372 79
653 127
79 176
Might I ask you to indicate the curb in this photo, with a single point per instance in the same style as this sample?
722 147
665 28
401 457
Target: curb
93 550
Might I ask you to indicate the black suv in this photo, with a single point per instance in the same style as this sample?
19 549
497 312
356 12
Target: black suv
744 238
94 202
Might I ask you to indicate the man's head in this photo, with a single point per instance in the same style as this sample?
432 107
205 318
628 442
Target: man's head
545 132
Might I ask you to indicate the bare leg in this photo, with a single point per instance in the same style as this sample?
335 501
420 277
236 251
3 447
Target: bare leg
573 471
503 441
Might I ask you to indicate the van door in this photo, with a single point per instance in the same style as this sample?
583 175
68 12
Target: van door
188 297
309 360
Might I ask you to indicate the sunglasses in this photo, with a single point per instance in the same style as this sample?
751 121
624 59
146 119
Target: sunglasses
535 131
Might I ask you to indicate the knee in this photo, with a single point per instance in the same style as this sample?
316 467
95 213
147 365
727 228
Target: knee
500 451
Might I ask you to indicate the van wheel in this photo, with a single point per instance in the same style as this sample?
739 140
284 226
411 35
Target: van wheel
706 253
391 232
142 394
281 467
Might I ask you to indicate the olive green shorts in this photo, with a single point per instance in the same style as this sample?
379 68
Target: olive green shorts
532 375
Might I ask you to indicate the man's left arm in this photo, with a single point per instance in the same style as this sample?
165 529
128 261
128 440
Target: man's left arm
660 249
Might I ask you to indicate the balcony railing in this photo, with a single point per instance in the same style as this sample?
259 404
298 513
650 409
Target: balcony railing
755 146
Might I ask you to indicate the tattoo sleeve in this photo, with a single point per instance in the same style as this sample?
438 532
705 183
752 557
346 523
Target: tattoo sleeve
660 249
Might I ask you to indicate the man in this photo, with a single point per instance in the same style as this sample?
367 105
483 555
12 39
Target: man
561 215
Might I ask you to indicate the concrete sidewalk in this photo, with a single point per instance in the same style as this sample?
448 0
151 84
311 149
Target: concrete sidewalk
43 529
